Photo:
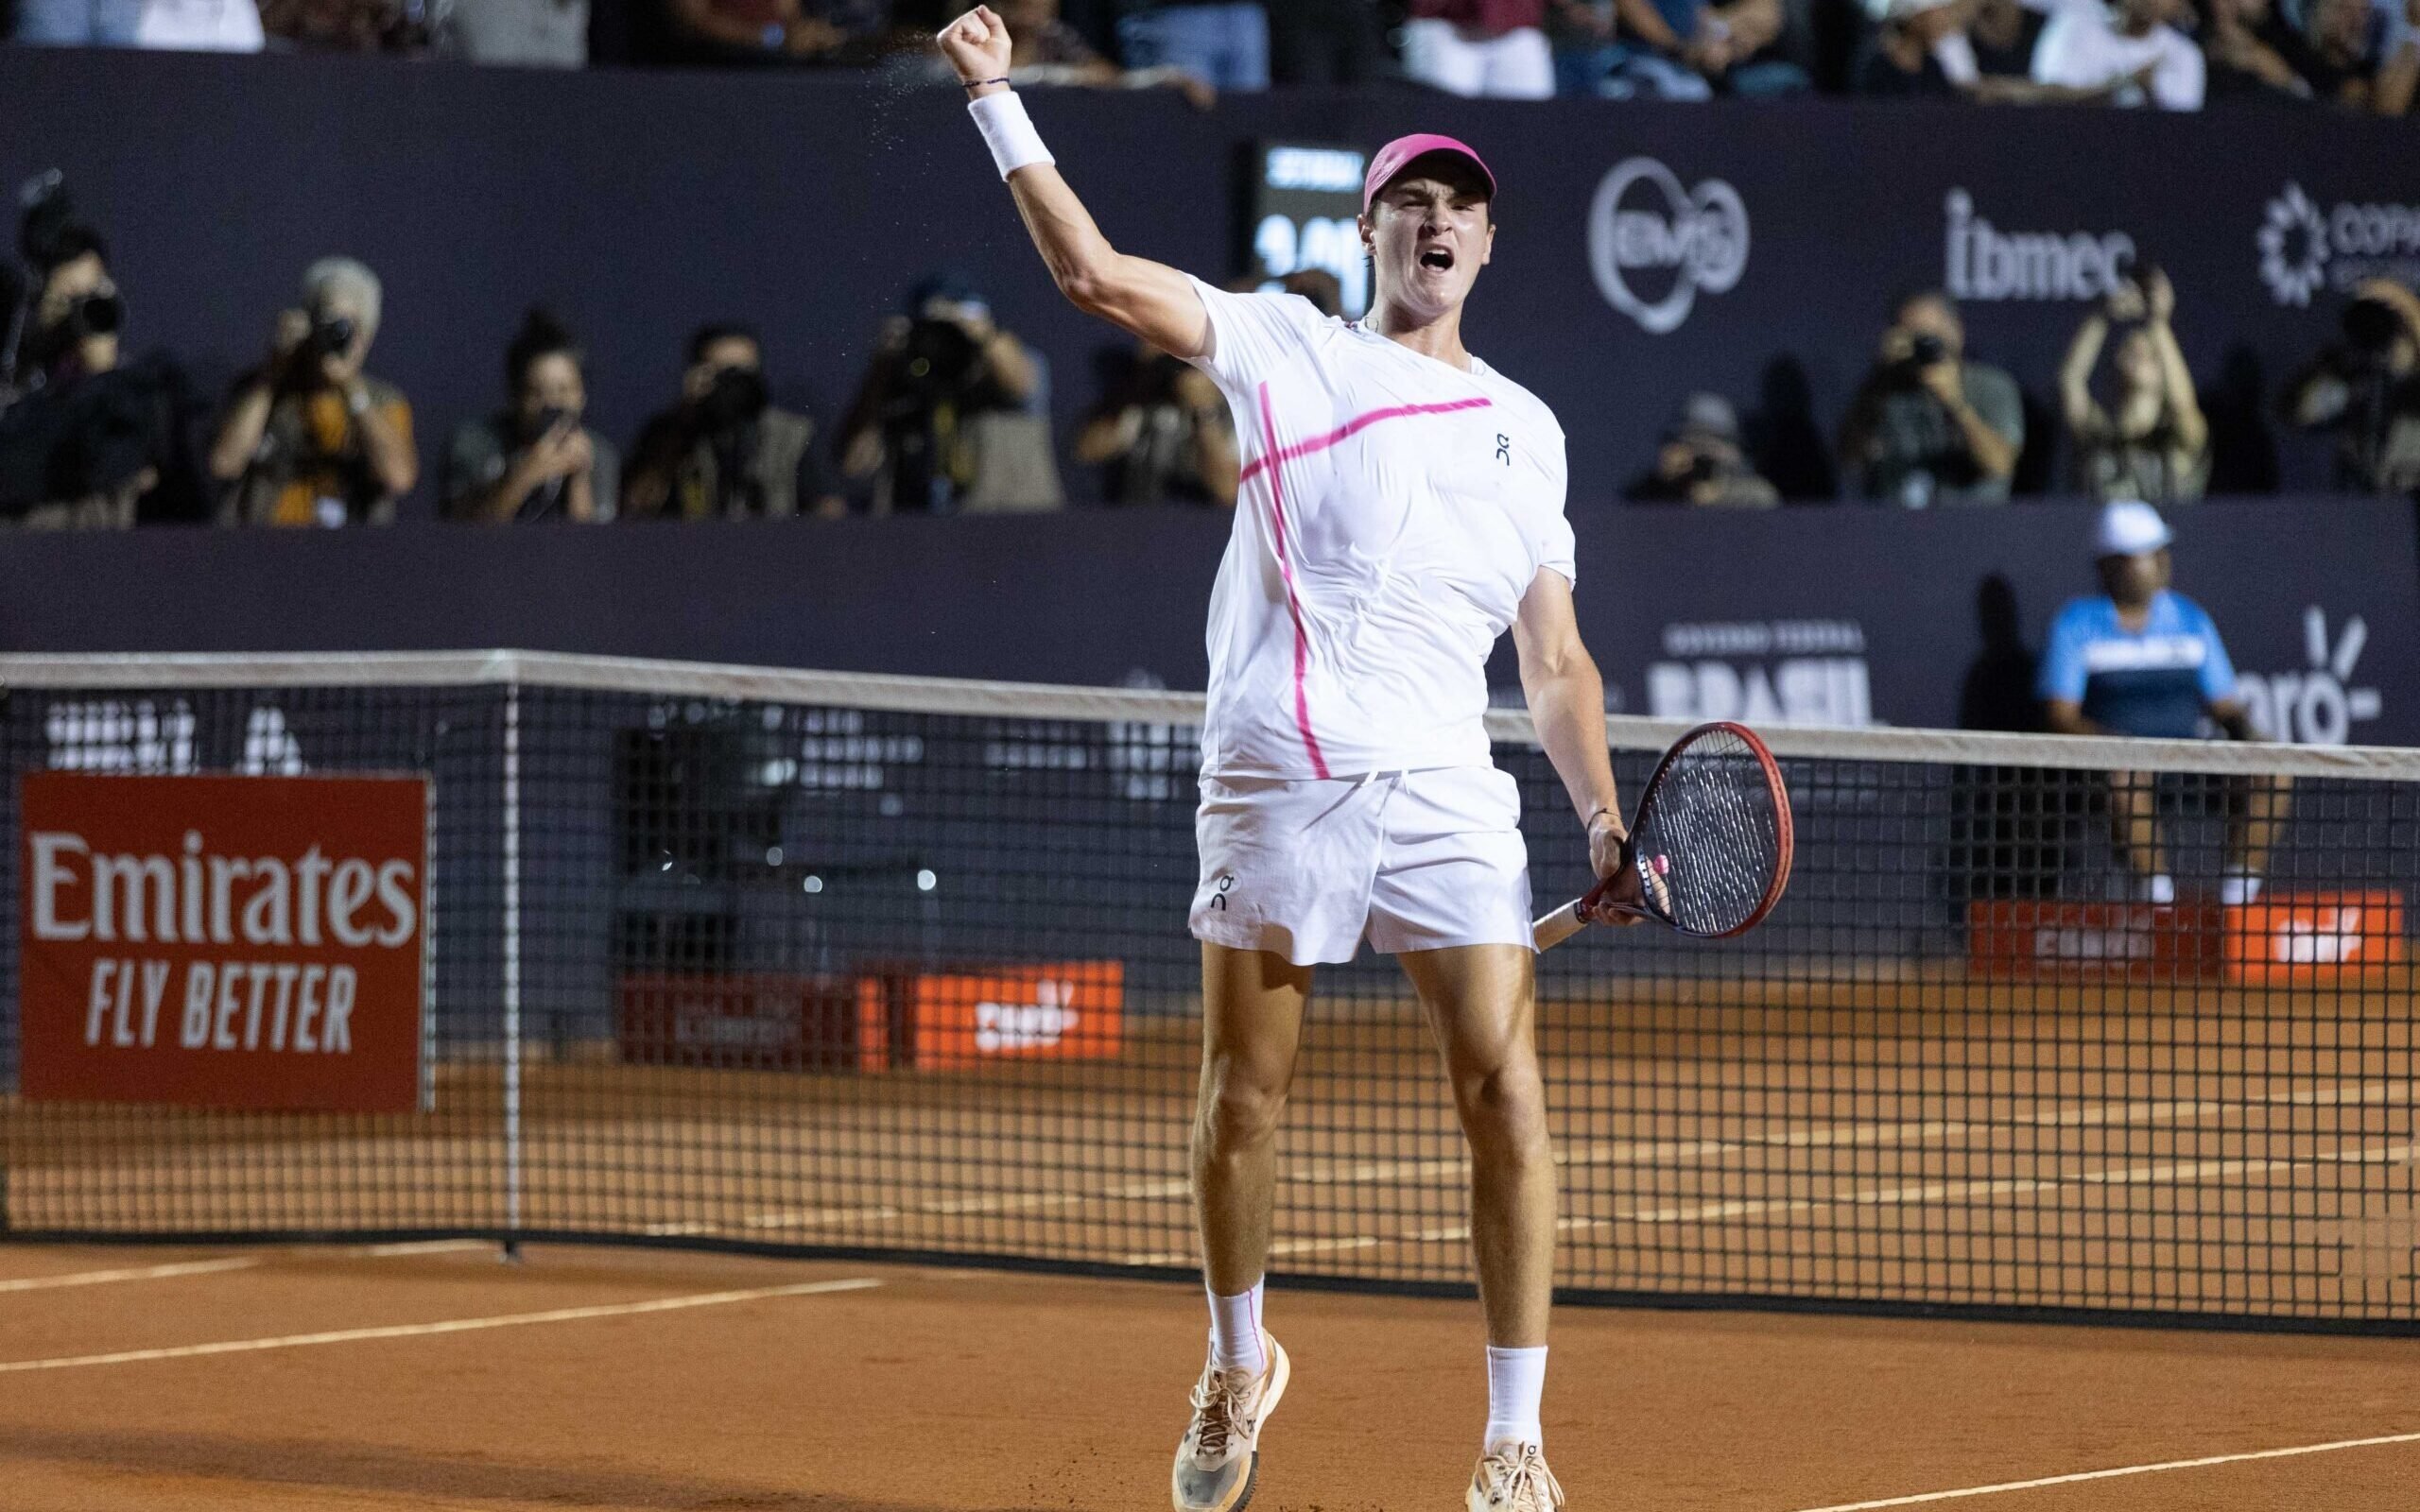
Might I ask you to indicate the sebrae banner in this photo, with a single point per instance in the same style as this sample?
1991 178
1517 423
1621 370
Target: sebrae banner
237 943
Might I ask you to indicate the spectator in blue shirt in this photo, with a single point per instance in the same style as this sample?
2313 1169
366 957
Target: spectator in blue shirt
2141 659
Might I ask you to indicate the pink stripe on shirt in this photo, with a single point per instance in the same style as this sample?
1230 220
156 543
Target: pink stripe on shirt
1320 444
1286 567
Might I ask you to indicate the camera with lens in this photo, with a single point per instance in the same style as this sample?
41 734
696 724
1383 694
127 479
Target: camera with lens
732 402
2371 328
331 337
938 361
1925 349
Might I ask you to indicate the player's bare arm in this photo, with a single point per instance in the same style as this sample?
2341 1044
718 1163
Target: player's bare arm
1566 698
1146 299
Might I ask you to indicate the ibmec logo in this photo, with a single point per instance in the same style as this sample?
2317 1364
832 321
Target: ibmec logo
1775 672
1039 1024
1986 264
1653 245
2305 247
2316 705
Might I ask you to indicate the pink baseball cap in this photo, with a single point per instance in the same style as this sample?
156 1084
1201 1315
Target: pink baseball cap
1397 155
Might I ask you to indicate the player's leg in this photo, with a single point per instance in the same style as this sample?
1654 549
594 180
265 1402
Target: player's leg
1481 1002
1251 1027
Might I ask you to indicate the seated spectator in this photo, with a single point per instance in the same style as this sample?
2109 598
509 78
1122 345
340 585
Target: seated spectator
1044 49
308 437
2150 442
2130 46
522 33
2359 58
953 413
95 443
1480 47
534 459
2002 35
2255 52
1164 434
1701 462
1691 49
348 26
1911 51
1327 41
2141 659
1928 426
2365 389
725 452
1317 286
77 23
1223 42
712 33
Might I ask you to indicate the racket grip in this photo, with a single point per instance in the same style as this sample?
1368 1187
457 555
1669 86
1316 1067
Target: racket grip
1557 927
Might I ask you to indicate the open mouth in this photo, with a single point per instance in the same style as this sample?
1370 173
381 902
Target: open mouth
1440 258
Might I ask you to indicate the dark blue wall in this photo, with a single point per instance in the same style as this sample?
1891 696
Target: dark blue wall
642 204
1832 615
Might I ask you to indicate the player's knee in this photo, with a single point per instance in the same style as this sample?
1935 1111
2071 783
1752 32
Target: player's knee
1504 1111
1238 1109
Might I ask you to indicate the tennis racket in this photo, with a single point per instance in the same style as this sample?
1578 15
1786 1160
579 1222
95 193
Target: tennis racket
1710 848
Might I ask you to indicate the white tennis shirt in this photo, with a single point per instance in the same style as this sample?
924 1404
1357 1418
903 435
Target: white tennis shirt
1394 512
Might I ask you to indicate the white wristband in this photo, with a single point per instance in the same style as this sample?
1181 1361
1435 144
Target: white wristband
1009 132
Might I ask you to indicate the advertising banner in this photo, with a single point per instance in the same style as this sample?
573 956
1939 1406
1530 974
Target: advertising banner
238 942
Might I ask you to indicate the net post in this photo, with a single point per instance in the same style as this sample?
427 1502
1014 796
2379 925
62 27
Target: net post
511 838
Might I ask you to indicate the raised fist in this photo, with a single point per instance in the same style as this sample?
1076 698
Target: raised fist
976 44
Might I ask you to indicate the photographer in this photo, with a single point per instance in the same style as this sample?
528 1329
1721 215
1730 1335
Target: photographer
954 412
1699 462
725 452
2365 390
1928 426
95 442
2151 443
535 459
308 438
1163 435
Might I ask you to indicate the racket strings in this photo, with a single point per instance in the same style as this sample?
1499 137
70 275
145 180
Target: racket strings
1713 834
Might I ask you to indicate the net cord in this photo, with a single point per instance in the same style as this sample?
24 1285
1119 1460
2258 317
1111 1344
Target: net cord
1029 701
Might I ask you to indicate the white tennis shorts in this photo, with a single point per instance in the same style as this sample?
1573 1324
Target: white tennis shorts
1414 861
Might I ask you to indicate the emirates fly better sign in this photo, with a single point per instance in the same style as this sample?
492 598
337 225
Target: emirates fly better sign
243 942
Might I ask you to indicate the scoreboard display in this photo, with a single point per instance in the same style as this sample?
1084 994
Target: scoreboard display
1301 200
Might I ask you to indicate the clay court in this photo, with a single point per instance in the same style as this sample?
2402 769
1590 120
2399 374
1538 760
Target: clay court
435 1377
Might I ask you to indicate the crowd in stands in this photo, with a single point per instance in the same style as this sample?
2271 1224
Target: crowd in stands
2362 54
953 415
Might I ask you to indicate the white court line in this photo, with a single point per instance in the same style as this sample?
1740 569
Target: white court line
207 1268
456 1325
131 1273
2113 1474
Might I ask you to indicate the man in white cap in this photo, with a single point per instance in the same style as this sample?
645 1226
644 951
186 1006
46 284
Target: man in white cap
1400 507
2142 659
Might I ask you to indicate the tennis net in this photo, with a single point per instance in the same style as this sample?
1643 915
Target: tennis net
840 964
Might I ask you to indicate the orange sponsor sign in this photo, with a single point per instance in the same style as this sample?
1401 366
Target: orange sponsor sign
2315 937
1069 1011
246 942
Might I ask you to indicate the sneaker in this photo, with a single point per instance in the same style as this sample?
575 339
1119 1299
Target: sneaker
1220 1457
2238 888
1514 1478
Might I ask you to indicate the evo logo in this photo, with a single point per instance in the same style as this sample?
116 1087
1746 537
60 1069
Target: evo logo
1037 1025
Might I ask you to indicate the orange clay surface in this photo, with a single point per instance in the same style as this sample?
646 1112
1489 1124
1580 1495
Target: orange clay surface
960 1390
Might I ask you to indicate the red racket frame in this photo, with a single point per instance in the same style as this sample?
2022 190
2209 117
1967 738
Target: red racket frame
1789 840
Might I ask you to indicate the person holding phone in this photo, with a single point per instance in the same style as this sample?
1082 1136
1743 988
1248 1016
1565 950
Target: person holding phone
534 459
2150 441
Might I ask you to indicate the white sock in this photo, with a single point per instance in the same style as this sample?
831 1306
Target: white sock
1235 1329
1515 1379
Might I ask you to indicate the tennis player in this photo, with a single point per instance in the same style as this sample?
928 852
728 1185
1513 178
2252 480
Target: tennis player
1401 507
